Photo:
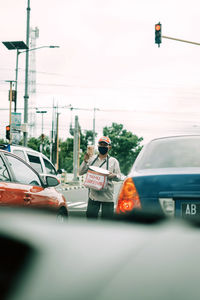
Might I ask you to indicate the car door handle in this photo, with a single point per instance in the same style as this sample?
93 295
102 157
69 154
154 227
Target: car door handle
27 198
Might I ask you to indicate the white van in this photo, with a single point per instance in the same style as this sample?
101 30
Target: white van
36 159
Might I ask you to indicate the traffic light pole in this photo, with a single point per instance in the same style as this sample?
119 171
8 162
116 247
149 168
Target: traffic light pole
57 142
179 40
26 96
159 36
10 111
75 152
16 79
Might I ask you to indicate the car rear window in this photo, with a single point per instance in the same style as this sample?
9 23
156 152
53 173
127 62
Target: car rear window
171 153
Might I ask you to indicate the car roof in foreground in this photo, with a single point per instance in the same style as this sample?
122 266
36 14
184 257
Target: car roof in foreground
102 260
169 154
174 137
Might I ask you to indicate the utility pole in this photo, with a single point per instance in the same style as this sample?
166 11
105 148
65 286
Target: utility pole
93 130
10 111
16 79
79 146
57 142
93 137
34 35
52 156
75 152
26 78
42 134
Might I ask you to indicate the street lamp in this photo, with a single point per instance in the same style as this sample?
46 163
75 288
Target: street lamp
26 96
41 112
42 135
16 45
28 50
20 45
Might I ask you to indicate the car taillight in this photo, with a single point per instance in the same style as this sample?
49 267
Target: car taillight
128 198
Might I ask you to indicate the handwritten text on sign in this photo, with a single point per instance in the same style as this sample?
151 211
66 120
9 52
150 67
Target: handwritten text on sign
95 181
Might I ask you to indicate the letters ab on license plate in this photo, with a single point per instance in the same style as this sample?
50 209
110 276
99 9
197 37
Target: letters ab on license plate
190 209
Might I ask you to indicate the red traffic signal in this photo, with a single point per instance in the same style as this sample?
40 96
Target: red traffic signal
8 132
158 35
157 27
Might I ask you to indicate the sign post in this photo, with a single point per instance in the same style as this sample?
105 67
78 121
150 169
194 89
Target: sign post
16 126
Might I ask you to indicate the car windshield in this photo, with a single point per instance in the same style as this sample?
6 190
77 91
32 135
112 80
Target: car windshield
174 152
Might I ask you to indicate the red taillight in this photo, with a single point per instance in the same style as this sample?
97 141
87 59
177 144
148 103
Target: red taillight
128 197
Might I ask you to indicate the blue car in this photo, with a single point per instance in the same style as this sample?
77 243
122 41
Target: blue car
165 177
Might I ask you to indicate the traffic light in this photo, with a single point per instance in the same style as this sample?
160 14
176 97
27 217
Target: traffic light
158 36
8 132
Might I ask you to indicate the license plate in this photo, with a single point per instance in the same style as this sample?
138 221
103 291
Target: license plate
190 209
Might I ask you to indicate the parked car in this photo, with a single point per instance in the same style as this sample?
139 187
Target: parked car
165 177
97 260
21 185
36 159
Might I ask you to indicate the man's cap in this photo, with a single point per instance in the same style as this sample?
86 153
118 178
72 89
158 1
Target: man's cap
105 139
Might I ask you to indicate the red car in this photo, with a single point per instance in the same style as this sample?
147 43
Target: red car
21 185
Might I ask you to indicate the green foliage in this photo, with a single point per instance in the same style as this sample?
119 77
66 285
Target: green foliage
85 140
66 155
66 150
36 144
44 140
125 146
2 141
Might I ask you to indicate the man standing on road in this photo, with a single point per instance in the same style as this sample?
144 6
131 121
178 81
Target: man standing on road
103 199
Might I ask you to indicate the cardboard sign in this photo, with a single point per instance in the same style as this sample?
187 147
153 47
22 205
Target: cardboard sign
96 178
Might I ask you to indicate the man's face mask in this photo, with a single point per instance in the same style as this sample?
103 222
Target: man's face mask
103 150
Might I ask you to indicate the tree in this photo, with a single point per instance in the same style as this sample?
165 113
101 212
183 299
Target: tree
67 147
45 145
125 145
36 144
2 141
66 155
85 139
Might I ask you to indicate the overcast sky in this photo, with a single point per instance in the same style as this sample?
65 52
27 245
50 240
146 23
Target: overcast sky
108 60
